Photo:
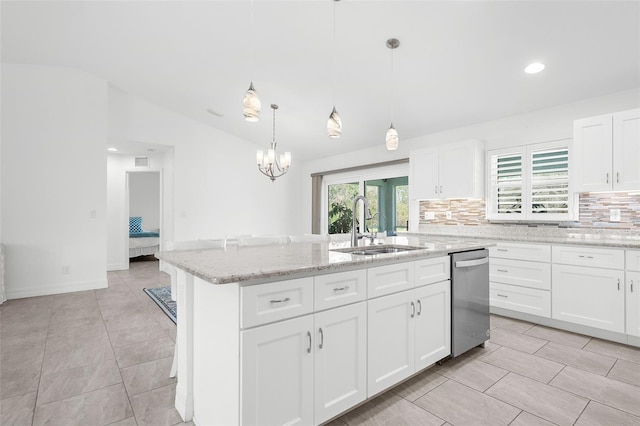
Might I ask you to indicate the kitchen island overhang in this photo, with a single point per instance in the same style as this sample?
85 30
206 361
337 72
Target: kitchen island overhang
215 287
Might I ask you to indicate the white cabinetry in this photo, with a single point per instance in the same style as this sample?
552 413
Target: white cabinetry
588 287
520 278
606 152
632 286
454 170
411 329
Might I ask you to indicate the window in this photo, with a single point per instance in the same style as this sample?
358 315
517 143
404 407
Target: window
530 183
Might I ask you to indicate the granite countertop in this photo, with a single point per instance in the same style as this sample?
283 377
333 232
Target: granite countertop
253 264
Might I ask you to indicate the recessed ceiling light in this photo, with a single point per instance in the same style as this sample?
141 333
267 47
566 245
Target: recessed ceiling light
112 149
534 68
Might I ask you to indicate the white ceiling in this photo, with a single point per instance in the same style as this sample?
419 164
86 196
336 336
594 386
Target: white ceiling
458 62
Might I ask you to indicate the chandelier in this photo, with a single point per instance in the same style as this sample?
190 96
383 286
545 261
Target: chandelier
270 164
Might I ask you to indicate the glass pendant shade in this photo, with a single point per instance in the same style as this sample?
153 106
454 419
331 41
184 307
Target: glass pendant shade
334 125
252 105
391 140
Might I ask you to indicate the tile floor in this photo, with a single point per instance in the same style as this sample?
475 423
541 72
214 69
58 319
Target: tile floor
102 357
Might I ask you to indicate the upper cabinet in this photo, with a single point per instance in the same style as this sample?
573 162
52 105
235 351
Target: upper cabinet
606 152
447 171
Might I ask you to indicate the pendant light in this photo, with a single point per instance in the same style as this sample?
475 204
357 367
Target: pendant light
252 103
391 141
334 124
270 164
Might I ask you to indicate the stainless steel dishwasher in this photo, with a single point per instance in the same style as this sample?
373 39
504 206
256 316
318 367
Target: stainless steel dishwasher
469 300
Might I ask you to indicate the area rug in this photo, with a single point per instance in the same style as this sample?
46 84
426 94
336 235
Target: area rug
162 297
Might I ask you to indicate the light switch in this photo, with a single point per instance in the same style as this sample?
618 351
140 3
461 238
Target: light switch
429 215
448 214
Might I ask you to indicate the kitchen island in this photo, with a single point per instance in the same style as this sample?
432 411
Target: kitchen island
300 333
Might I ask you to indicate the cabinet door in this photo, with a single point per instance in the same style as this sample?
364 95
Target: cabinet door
423 179
391 350
277 373
626 150
340 360
633 303
433 323
592 161
589 296
458 164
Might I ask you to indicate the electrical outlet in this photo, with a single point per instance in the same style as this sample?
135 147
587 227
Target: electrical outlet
614 215
66 269
429 215
448 214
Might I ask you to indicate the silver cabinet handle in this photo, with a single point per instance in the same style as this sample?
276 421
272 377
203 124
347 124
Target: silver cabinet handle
617 177
618 284
585 257
419 307
321 338
472 262
346 287
502 270
631 286
441 189
500 249
607 177
309 336
286 299
413 309
502 295
436 189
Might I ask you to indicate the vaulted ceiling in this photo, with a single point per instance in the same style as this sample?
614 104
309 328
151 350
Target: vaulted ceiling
458 63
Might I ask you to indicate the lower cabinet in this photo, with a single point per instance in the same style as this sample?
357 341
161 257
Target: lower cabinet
304 370
633 303
407 331
589 296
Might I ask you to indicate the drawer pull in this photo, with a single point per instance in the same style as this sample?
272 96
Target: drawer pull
502 295
618 284
436 189
502 270
419 307
309 336
413 309
500 249
631 286
346 287
607 177
617 177
285 300
585 257
321 338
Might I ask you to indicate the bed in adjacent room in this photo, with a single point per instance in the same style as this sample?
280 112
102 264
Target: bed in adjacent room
141 241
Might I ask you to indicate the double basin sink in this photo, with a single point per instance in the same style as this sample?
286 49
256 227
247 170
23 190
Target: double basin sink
376 250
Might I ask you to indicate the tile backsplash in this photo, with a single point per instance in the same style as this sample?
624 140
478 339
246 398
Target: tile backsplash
595 211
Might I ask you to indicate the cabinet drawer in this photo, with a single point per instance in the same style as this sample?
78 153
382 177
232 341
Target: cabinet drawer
264 303
429 271
588 256
633 260
520 272
521 299
389 279
339 289
517 251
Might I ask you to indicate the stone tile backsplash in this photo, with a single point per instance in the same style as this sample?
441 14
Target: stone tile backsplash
595 212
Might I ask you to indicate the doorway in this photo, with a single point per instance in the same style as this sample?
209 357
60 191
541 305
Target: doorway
144 214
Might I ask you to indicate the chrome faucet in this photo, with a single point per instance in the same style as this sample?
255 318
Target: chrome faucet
367 215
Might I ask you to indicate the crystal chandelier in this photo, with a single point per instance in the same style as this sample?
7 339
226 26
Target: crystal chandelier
270 164
391 141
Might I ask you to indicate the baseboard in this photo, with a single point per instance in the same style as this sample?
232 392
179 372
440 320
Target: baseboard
117 267
57 288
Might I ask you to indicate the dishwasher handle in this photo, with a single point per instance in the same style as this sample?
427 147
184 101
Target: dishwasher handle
473 262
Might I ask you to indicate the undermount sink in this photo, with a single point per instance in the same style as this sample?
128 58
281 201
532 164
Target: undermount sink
374 250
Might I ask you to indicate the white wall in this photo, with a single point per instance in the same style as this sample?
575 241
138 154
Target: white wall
538 126
144 198
54 126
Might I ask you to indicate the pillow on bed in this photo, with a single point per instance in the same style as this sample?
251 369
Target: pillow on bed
135 225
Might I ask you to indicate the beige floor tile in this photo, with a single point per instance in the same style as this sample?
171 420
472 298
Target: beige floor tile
147 376
597 415
527 419
146 351
625 371
68 316
547 402
129 421
72 357
607 391
17 410
578 358
419 385
156 408
390 410
19 360
461 405
479 352
128 336
99 407
89 333
21 327
515 340
19 382
616 350
76 381
525 364
471 372
559 336
31 342
509 324
135 320
66 301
